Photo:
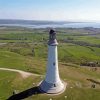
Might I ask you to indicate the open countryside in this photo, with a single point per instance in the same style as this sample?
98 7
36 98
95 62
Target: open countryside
25 49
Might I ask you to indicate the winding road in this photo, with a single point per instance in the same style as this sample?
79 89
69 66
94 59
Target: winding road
22 73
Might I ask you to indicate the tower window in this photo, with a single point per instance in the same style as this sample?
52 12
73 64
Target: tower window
54 85
54 63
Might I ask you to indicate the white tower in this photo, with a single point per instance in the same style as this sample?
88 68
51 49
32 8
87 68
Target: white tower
52 83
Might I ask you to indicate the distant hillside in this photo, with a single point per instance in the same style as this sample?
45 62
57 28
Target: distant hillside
46 24
30 22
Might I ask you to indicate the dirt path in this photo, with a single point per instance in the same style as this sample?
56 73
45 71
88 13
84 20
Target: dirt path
22 73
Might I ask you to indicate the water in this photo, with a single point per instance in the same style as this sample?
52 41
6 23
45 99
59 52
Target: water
62 25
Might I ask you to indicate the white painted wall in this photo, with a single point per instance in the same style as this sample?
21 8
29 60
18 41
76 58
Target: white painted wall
52 75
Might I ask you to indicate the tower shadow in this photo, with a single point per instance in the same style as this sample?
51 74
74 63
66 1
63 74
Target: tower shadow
25 94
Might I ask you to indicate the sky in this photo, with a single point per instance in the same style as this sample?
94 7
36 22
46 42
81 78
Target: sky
55 10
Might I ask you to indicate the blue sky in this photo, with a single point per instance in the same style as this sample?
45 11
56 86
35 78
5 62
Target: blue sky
59 10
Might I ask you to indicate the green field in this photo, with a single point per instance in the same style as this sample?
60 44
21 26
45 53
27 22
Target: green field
26 49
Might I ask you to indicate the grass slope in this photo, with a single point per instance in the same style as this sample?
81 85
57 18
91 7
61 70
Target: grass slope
18 53
10 81
78 88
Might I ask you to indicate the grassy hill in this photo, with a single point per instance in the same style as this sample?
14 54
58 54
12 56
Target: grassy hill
78 87
26 49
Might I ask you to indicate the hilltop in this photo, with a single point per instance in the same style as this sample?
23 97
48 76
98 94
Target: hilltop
26 50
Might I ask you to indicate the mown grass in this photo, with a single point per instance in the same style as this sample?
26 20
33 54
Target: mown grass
89 39
78 88
17 61
11 81
68 52
11 60
6 79
76 53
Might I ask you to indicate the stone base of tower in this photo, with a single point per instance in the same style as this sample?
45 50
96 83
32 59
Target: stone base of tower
51 88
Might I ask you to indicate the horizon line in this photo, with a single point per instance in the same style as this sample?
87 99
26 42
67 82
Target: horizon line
52 20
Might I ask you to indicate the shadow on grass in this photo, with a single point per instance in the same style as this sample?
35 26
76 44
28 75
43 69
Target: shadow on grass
25 94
